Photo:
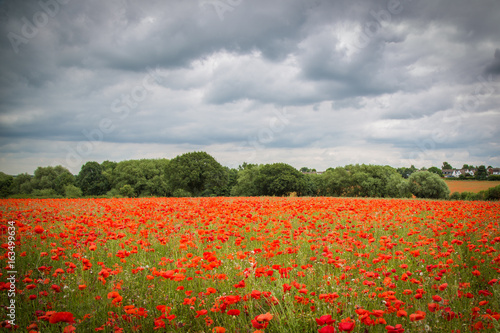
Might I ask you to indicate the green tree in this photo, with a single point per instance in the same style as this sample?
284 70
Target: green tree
335 182
91 179
425 184
492 193
22 184
6 182
196 172
246 181
232 180
406 172
397 187
446 165
127 191
71 191
52 178
481 173
108 168
365 181
279 179
436 170
312 184
147 177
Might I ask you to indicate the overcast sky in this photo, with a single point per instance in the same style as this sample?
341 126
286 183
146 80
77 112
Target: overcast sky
311 83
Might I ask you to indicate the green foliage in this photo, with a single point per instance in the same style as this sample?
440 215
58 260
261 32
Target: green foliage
397 187
245 184
335 182
365 181
481 173
232 180
455 196
465 177
425 184
492 193
197 173
71 191
312 184
406 172
468 196
127 191
54 178
6 182
21 185
181 193
146 177
91 180
279 179
45 193
306 169
436 170
446 165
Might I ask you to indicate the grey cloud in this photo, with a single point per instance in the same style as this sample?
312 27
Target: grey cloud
222 77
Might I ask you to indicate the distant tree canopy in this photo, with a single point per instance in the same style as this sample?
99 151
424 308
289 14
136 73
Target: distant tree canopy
481 173
51 180
199 174
365 181
436 170
146 177
446 165
279 179
91 180
425 184
6 182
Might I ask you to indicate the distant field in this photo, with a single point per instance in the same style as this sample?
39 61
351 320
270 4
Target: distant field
474 186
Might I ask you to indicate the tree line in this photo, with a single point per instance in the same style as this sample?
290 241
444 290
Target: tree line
197 174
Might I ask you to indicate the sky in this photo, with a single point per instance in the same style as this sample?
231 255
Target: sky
312 83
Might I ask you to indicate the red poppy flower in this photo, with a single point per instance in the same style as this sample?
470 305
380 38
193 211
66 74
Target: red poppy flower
234 312
327 329
395 329
418 315
325 320
218 329
437 298
264 317
201 313
347 325
65 317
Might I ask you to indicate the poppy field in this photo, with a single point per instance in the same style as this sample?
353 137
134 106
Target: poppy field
249 265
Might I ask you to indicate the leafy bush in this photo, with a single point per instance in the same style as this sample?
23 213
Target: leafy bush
127 191
468 196
71 191
492 193
45 193
181 193
425 184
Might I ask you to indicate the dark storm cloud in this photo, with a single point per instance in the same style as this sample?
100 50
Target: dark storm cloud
374 78
494 67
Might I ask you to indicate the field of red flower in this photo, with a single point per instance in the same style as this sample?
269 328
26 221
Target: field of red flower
250 265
